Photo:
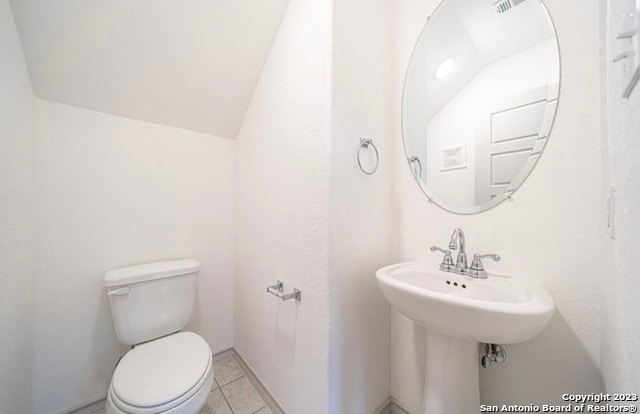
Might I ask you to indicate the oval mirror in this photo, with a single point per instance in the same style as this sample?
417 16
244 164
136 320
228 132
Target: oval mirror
479 100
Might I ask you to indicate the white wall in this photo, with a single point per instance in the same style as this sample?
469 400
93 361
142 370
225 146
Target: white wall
621 285
360 207
114 192
16 189
558 240
283 161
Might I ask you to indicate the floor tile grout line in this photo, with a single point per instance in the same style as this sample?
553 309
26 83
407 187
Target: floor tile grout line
231 358
264 405
254 388
231 382
224 396
244 375
226 401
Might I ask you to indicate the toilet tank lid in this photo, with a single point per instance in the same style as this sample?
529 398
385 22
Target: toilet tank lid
150 271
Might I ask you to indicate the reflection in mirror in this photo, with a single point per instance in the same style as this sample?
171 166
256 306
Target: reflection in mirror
479 100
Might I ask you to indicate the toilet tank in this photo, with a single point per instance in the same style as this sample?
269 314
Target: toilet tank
151 300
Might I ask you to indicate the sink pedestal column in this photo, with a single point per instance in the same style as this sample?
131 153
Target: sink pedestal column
451 384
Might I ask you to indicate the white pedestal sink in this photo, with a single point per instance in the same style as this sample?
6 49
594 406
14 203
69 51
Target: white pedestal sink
458 312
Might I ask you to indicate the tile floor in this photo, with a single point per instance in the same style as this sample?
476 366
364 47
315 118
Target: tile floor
232 393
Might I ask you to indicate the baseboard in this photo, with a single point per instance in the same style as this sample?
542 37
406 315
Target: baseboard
390 406
396 408
224 354
98 406
385 408
94 407
271 402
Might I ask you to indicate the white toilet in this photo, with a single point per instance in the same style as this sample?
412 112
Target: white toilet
167 370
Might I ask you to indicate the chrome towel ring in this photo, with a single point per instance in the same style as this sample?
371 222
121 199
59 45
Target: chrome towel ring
416 166
365 143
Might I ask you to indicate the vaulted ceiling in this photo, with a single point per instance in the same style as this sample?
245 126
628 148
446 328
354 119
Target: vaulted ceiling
191 64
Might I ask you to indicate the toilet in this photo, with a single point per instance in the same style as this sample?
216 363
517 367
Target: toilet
167 370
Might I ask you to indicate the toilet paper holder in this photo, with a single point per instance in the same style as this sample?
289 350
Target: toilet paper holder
278 290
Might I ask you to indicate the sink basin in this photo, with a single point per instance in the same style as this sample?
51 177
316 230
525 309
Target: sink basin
499 309
458 312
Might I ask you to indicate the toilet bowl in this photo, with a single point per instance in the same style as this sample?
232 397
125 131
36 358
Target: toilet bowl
167 370
173 374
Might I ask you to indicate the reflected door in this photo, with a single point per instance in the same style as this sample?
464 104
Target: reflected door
505 140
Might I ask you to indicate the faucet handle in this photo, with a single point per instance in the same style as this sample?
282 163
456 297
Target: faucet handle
440 249
491 256
477 268
447 262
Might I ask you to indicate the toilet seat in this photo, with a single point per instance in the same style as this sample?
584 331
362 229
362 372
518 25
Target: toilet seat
162 374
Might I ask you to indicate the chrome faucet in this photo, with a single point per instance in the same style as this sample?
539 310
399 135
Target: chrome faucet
457 242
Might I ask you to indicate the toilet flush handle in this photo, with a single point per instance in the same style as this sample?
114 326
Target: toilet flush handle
120 291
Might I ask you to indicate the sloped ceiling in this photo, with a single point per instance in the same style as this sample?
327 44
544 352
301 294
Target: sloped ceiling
473 33
191 63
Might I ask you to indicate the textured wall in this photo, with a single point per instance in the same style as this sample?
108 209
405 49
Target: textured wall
360 207
114 192
558 240
283 158
16 188
620 315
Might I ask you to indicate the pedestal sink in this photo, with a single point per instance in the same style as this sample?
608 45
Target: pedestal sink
458 312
